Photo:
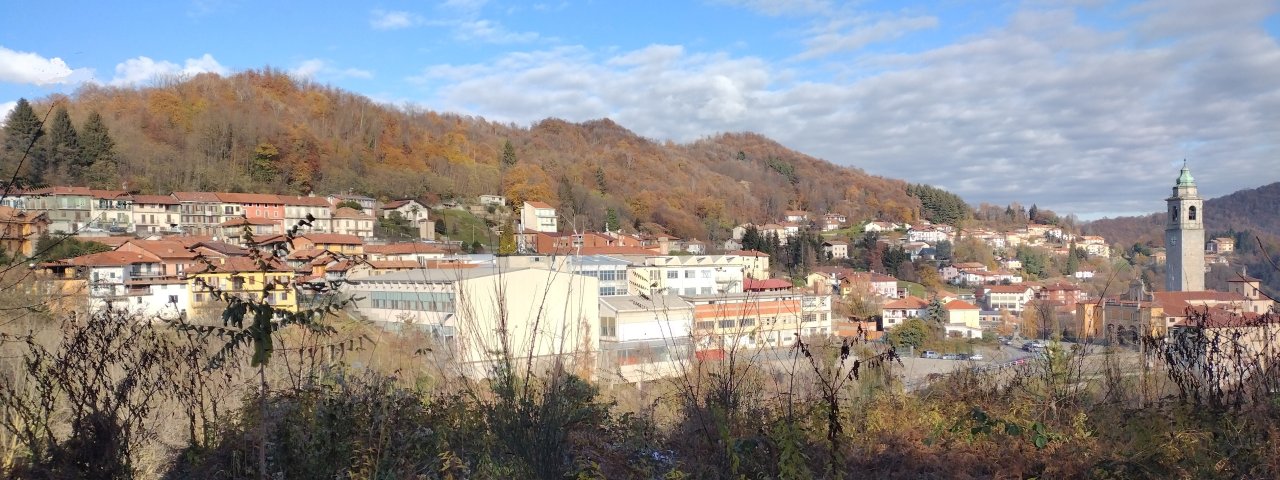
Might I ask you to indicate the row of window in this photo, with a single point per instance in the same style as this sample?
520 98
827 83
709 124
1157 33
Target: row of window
418 301
690 291
690 273
272 297
726 323
607 275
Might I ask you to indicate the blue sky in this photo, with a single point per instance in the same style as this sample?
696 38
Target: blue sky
1084 106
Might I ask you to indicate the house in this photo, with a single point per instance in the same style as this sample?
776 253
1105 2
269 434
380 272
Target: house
199 213
259 206
962 319
829 224
245 278
879 226
367 204
755 264
415 213
1083 273
1095 246
156 214
796 216
349 221
339 243
68 208
777 231
895 312
644 338
745 320
836 249
1064 293
1221 245
770 285
130 282
463 307
307 213
20 230
538 217
175 258
232 231
928 235
493 200
111 210
838 218
696 247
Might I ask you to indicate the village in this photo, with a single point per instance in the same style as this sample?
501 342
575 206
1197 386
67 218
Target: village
637 303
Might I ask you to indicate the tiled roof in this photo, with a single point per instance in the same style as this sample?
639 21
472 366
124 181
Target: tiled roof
1177 303
333 238
537 204
959 305
907 303
748 253
303 201
205 197
155 199
394 264
1008 288
348 212
244 264
113 258
751 284
263 198
164 248
110 194
240 222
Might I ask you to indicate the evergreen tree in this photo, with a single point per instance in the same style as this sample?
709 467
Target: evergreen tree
264 168
508 155
507 238
611 222
1034 214
97 160
64 146
21 131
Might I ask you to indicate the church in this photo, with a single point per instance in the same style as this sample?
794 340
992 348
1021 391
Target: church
1184 302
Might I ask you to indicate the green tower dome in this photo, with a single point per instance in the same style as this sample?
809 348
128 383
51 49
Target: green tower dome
1185 177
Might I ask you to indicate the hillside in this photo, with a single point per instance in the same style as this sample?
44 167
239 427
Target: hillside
1253 210
264 131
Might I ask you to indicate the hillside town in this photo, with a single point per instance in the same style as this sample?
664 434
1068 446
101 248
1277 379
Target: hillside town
636 299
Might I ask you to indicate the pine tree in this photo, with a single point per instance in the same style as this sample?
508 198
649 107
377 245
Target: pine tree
1034 214
97 160
507 238
64 146
611 222
508 155
21 131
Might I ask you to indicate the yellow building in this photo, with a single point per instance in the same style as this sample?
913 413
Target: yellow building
244 278
20 230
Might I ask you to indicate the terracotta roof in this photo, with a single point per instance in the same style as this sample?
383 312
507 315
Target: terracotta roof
836 242
751 284
263 198
1218 317
1008 288
908 303
748 253
1061 286
306 254
348 212
959 305
303 201
113 258
401 249
60 190
112 241
1177 303
537 204
110 194
394 204
155 199
244 264
12 215
615 250
222 247
164 249
333 238
1243 279
205 197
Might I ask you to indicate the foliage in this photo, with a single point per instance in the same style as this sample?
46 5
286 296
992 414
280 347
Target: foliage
913 332
394 226
21 131
52 249
938 205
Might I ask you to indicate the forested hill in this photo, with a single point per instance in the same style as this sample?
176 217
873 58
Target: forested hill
265 131
1254 210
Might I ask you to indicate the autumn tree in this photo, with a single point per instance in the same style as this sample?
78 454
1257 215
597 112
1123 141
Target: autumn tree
264 168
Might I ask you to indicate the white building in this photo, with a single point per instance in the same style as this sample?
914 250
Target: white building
836 249
130 282
644 338
687 275
297 208
477 313
156 214
539 217
416 213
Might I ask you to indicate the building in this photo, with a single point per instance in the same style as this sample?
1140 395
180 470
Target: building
68 208
297 209
349 221
1221 245
406 251
20 230
111 210
258 206
415 213
156 214
745 320
130 282
687 275
242 277
480 314
494 200
1012 298
1184 236
897 311
538 217
836 249
367 204
232 231
644 338
199 213
962 319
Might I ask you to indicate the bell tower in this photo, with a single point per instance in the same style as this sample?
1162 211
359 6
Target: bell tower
1184 236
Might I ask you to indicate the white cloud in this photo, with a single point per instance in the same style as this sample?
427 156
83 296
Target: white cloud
31 68
1043 109
465 5
140 70
783 7
490 32
853 34
5 108
316 68
394 20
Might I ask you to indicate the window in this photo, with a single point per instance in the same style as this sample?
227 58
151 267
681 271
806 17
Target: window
691 291
1191 213
747 322
673 291
705 291
730 323
688 273
673 274
706 325
173 299
608 326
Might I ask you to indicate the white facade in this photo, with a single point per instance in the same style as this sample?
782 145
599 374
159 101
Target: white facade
644 338
1184 237
687 275
539 217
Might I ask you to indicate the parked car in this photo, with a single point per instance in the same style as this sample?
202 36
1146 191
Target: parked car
962 356
930 354
977 357
1033 346
950 356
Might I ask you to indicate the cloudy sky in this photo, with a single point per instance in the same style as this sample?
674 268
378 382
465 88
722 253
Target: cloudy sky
1084 106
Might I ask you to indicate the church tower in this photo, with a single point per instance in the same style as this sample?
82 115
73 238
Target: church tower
1184 236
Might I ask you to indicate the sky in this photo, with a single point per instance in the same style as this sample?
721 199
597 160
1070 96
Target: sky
1086 106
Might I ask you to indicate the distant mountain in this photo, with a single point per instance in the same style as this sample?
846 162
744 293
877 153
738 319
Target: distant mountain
265 131
1255 210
